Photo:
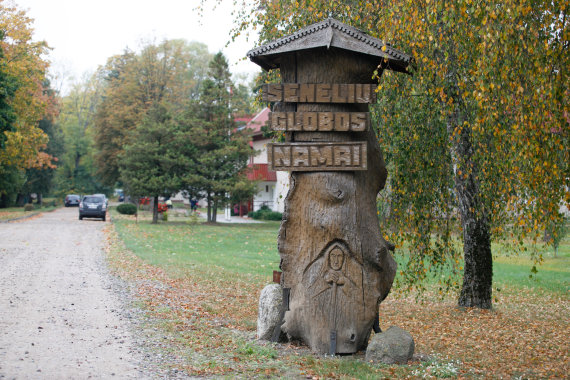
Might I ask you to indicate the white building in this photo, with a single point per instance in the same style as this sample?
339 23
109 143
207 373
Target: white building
272 185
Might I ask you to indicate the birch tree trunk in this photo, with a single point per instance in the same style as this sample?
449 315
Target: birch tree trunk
478 271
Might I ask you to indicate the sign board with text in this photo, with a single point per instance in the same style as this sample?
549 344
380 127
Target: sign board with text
319 121
328 156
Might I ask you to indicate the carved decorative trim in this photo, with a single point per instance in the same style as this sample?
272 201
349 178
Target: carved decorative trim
353 39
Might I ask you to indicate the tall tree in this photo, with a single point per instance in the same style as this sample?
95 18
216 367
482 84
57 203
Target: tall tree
152 163
24 62
76 170
243 100
8 87
223 151
170 72
41 181
118 113
479 130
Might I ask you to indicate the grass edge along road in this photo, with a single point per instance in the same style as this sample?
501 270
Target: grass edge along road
14 214
201 283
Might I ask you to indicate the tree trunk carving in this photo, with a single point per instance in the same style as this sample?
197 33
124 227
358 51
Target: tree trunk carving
333 256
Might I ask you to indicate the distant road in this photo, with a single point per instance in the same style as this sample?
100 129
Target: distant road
60 317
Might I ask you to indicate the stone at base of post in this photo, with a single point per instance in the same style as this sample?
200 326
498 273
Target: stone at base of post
269 312
394 346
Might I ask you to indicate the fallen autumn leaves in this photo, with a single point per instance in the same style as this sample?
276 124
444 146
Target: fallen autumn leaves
210 323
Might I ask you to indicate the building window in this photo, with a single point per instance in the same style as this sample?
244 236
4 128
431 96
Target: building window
266 188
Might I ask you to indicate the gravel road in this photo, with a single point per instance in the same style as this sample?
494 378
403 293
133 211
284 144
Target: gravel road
61 314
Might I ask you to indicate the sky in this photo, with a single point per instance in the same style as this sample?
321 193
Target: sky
84 33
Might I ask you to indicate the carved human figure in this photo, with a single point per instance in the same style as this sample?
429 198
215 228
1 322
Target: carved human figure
336 278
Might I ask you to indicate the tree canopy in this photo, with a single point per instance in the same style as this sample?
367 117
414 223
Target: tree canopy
76 167
222 150
478 132
24 63
25 100
170 72
154 161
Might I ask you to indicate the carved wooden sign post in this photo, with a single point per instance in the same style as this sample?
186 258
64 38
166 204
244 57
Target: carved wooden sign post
336 265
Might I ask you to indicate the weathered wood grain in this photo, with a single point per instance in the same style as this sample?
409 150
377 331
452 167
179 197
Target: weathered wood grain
317 156
319 92
319 121
333 256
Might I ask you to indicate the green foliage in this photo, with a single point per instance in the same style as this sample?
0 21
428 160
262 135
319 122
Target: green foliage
243 190
481 129
264 213
153 163
76 169
556 232
41 180
170 72
23 68
242 99
127 209
8 87
28 207
11 181
221 151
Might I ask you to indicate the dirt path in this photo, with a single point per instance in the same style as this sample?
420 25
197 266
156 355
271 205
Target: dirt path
60 314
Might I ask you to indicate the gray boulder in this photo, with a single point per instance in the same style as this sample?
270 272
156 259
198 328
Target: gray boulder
269 311
394 346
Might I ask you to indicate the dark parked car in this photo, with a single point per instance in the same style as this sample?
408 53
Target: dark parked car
72 200
92 206
104 197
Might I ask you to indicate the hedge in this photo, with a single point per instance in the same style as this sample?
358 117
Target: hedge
127 209
264 213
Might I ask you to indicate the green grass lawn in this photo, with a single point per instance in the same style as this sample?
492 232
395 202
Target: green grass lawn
243 249
251 250
211 276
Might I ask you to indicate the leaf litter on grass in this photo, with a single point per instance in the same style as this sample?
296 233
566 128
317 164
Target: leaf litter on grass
210 322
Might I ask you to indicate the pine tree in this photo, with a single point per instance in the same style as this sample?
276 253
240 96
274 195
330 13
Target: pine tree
222 151
152 164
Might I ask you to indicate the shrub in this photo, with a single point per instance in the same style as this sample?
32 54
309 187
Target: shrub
127 209
162 207
29 207
264 213
272 215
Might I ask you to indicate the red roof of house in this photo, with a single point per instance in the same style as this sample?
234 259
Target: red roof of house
259 121
245 119
260 172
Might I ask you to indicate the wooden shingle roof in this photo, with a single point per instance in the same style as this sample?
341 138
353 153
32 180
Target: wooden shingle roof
329 33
